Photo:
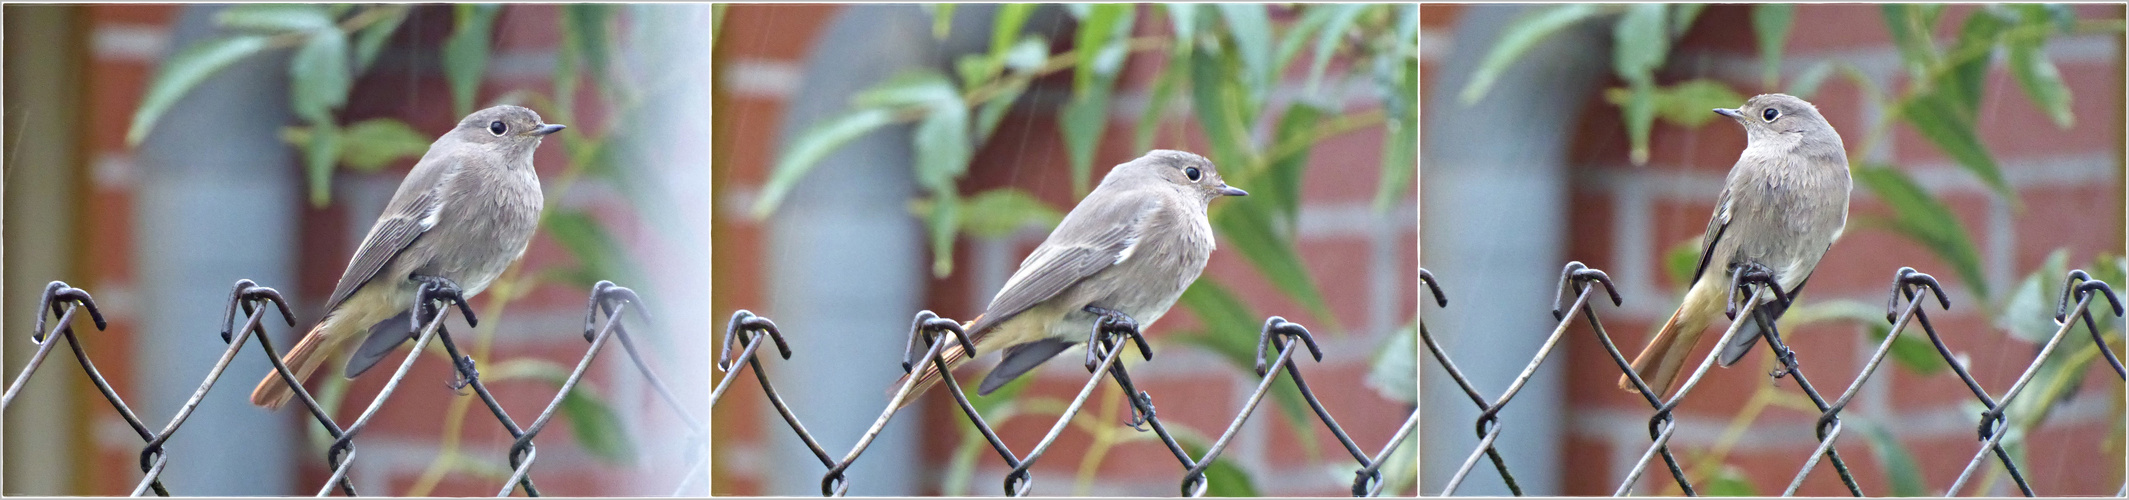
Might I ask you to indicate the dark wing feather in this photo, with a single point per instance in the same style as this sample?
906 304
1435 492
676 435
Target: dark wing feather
1091 238
1718 223
397 229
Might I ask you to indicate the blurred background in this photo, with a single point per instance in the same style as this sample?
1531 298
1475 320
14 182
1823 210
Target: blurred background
873 161
158 153
1985 142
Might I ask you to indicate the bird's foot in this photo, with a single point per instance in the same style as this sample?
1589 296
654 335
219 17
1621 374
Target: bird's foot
438 288
1141 411
1110 321
467 374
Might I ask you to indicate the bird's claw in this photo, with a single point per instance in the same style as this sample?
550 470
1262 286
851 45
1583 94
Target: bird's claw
467 374
1141 412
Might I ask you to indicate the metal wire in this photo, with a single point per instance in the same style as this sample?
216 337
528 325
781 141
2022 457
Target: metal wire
1756 282
1110 332
436 297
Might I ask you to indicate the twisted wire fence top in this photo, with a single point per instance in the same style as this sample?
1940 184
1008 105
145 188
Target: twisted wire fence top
437 299
1910 292
1278 343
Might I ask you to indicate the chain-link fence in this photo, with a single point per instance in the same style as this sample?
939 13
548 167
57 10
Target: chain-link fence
1105 340
436 300
1908 286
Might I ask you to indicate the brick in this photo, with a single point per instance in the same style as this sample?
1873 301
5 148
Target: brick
780 32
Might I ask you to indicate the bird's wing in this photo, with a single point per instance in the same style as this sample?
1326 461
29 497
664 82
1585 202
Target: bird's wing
404 220
1089 240
1718 223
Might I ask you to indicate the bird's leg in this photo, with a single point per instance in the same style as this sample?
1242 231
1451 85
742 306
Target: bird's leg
1110 321
435 288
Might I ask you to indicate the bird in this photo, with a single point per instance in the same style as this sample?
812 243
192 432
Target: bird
1130 247
464 213
1782 207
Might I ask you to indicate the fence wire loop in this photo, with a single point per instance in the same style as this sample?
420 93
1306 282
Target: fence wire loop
435 299
1109 333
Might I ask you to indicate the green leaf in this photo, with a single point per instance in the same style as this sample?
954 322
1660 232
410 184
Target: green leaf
1082 122
600 254
807 150
318 161
1682 17
944 221
1912 351
372 38
1519 37
1230 330
588 31
1638 112
1215 98
465 53
1340 18
1730 482
319 77
1937 118
1807 83
2028 311
942 146
372 144
942 19
1400 129
1686 103
594 423
1281 183
275 17
1164 88
185 70
1920 216
1250 27
1680 261
2042 83
992 112
1184 17
1968 78
1006 24
1900 468
996 213
1771 23
1101 24
1223 478
597 427
1639 42
1249 228
1392 371
1904 23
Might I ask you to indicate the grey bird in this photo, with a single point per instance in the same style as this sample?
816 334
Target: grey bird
1782 207
464 214
1130 247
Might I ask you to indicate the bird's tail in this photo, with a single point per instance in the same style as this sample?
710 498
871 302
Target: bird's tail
304 359
1666 353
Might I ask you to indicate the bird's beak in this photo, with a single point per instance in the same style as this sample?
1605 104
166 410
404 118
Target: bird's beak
1232 191
548 129
1733 114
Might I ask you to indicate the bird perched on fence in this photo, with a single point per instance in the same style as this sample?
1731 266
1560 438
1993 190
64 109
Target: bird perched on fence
464 214
1782 207
1130 247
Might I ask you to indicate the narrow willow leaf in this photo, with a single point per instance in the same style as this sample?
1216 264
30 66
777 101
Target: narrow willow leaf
319 76
807 150
465 53
185 70
1771 23
1920 216
1518 38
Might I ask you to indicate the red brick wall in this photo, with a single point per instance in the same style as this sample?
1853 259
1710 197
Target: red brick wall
1027 153
402 437
1933 417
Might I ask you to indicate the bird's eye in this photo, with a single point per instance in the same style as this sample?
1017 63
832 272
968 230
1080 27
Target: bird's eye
497 127
1192 173
1770 114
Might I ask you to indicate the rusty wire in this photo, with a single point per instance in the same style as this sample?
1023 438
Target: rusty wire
436 299
929 336
1757 283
